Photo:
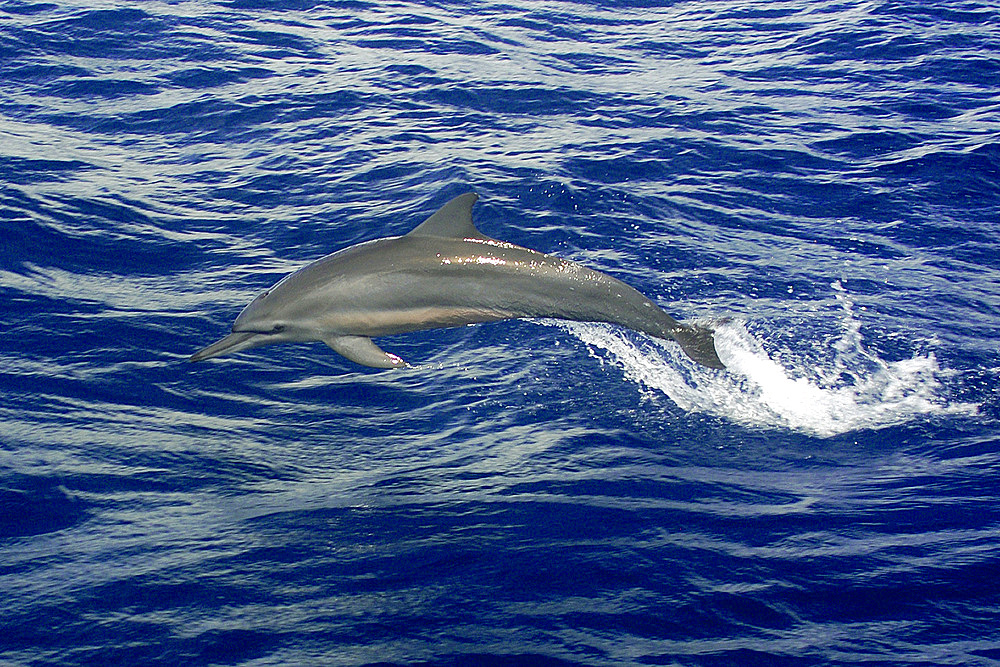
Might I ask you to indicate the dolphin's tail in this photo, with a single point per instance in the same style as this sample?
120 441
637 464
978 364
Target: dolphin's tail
698 343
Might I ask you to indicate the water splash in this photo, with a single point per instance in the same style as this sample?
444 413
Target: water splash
833 388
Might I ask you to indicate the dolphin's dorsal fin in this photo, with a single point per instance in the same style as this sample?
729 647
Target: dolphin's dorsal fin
453 220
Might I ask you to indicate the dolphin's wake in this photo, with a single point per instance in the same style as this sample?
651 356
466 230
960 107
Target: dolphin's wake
850 389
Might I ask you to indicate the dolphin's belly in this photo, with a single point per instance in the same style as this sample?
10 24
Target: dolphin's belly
404 319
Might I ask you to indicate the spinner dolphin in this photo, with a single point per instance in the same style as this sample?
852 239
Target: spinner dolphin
444 273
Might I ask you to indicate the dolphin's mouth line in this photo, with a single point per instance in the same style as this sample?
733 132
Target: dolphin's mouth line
262 332
234 342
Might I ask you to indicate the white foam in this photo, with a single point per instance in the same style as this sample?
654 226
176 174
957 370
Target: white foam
831 388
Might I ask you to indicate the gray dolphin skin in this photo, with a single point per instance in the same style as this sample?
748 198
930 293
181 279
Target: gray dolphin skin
444 273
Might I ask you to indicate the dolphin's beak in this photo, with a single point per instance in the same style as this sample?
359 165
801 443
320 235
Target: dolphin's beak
234 342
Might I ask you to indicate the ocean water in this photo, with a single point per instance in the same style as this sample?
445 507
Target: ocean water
819 180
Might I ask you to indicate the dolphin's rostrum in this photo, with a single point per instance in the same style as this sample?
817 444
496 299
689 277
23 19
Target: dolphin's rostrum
444 273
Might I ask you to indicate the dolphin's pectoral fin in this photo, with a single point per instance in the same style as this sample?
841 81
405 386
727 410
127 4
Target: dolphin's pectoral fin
361 350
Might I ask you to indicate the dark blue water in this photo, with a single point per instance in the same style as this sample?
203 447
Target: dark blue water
826 175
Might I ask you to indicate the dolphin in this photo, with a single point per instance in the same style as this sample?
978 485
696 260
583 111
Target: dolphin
444 273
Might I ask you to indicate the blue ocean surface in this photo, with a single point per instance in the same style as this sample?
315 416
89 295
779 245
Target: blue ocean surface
818 180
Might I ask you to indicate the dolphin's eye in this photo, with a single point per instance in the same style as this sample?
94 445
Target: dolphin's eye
278 328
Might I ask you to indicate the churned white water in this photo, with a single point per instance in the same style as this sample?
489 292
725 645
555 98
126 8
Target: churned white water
824 389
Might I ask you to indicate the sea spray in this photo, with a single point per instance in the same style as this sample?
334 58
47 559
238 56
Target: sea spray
849 388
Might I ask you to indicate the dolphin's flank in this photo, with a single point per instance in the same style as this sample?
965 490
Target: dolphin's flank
444 273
